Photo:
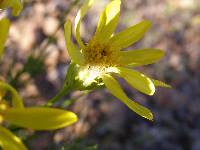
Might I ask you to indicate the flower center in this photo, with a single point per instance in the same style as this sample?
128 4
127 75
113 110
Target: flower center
99 59
101 55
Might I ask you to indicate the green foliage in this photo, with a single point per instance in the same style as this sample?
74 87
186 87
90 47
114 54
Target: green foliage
34 66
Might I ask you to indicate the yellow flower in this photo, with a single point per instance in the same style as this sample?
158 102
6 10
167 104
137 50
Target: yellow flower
16 6
37 118
103 56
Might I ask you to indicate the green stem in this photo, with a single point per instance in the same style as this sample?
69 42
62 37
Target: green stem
64 91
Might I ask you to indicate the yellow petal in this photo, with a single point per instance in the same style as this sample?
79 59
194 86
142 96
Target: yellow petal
73 51
140 57
81 13
16 6
137 80
4 28
39 118
130 35
108 21
116 90
8 141
16 99
161 84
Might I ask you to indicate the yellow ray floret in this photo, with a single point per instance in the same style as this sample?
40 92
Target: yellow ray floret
4 28
8 141
116 90
38 118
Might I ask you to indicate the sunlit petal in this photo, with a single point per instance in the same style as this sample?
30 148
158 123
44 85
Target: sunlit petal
160 83
116 90
39 118
140 57
4 28
73 51
108 21
130 35
81 13
137 80
8 141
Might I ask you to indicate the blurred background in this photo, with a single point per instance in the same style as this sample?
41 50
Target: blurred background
36 60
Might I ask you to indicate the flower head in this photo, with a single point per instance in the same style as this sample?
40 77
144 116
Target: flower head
103 56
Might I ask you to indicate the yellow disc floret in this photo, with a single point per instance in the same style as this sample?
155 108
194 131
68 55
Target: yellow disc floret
98 54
